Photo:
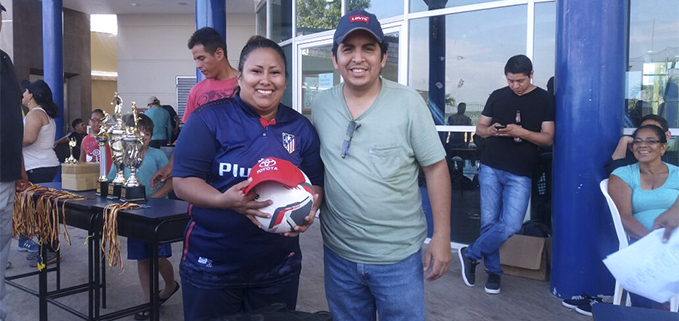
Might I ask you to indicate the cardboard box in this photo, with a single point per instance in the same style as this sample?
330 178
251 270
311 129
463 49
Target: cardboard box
79 176
80 168
526 256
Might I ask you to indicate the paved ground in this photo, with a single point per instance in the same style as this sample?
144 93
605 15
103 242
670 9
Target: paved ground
447 298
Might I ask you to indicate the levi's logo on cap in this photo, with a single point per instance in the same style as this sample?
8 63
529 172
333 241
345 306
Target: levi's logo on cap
359 18
276 170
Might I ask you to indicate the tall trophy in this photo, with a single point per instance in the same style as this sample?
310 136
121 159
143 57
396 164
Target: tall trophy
133 143
71 143
102 140
115 135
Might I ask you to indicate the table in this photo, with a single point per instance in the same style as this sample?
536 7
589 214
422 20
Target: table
158 221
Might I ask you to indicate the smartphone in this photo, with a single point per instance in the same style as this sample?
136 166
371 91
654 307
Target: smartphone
500 126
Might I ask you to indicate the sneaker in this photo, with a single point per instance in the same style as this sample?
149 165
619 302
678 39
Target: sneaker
586 309
51 258
579 300
28 246
493 284
468 267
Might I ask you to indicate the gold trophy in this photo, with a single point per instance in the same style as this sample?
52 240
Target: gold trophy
115 135
102 140
133 143
71 143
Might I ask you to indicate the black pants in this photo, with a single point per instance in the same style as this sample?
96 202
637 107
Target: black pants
42 174
157 143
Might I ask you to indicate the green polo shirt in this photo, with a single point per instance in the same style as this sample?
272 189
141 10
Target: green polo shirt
373 209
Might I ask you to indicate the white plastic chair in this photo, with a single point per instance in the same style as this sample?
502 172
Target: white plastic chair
623 239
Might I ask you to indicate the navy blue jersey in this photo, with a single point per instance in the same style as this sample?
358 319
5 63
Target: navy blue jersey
220 143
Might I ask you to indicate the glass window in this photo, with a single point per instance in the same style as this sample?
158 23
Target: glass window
281 20
260 20
468 61
390 70
653 75
381 8
317 15
544 43
287 94
318 74
421 5
464 64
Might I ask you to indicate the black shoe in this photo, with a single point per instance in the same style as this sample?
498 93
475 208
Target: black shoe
586 309
579 300
468 267
493 284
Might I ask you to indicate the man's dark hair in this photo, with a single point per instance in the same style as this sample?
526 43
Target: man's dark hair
209 38
659 119
97 111
519 64
76 122
657 130
384 46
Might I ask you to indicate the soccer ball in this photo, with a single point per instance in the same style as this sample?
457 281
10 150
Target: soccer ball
290 205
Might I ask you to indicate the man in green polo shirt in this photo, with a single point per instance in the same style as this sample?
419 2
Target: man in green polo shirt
375 136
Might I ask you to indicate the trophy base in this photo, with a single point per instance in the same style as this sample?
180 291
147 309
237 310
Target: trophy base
114 191
133 194
102 189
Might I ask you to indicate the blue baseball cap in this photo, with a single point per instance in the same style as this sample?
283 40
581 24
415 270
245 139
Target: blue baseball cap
358 20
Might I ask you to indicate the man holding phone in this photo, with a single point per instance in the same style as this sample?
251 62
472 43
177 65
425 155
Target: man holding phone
516 120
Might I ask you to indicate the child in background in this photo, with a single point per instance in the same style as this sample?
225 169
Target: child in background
90 147
153 160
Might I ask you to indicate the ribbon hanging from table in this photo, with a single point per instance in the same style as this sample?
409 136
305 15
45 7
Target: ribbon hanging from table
110 245
37 213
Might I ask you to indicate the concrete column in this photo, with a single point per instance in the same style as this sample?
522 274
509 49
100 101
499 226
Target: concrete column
210 13
590 96
52 53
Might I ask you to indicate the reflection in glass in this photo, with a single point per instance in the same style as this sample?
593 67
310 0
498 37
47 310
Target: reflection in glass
318 74
421 5
260 21
469 63
544 43
390 70
381 8
287 94
281 20
653 76
317 15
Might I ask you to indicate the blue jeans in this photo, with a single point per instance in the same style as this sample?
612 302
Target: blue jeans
356 291
504 201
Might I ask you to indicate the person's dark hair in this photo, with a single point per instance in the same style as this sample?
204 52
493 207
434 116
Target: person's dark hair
384 46
144 122
76 122
42 94
519 64
209 38
657 130
461 108
659 119
257 42
97 111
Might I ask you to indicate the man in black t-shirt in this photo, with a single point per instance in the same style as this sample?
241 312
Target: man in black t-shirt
516 120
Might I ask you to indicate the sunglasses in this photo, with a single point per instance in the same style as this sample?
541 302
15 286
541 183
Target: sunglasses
351 129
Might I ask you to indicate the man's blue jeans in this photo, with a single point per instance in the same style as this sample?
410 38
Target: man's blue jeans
355 291
504 201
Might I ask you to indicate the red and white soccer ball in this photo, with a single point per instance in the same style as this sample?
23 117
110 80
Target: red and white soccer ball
290 205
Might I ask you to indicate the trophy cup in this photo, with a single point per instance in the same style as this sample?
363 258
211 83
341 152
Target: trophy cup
71 160
102 140
115 135
133 142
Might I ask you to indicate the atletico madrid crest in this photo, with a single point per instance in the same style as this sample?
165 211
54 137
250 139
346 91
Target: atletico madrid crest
289 142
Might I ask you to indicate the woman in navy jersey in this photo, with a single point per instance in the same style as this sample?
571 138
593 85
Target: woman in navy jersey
229 264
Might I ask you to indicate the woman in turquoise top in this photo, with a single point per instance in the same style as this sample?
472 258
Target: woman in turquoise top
645 190
153 160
